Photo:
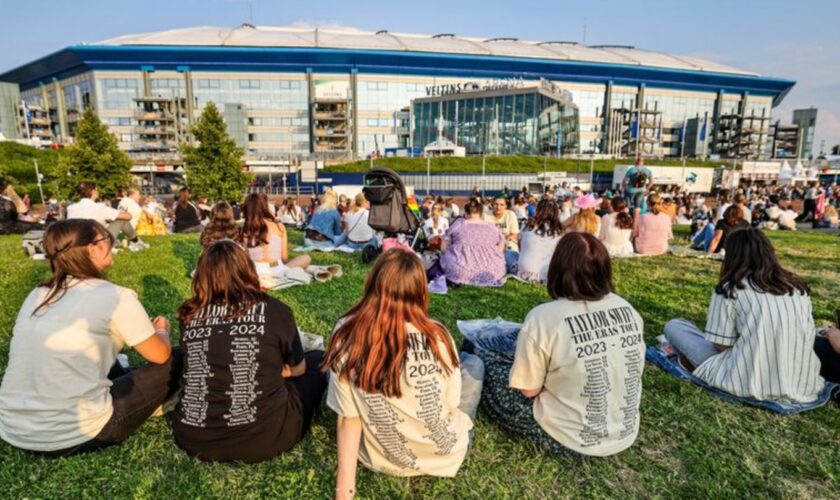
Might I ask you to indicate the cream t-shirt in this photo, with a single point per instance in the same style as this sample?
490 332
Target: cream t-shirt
55 393
421 433
588 358
89 209
507 224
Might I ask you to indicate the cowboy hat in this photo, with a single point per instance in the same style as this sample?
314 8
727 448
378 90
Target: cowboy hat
588 201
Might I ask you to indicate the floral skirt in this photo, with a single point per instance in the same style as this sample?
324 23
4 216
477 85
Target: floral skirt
510 409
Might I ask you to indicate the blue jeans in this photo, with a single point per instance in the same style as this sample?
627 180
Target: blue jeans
374 242
335 241
511 261
635 200
472 381
689 341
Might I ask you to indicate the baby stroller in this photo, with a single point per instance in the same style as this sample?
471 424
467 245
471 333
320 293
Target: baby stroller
389 211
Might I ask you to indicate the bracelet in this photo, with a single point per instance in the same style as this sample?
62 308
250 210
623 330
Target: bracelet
162 332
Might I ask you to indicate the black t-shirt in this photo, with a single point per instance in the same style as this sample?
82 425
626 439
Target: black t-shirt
185 217
722 226
235 405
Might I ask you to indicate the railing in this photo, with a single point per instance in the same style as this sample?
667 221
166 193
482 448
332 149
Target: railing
287 191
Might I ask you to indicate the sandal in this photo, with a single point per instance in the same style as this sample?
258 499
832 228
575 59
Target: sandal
335 270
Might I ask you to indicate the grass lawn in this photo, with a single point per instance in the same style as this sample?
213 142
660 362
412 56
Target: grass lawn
506 164
691 444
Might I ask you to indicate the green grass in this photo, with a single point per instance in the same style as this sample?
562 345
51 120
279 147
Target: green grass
690 444
503 164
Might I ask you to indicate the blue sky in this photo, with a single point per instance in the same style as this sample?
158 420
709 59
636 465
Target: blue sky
798 40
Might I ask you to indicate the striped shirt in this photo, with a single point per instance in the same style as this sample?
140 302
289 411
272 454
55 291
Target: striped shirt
772 338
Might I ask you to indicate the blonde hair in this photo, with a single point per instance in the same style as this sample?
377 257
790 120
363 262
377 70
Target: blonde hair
654 203
328 201
585 221
359 200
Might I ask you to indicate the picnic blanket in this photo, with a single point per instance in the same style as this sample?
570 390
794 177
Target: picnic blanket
496 334
669 363
686 251
342 248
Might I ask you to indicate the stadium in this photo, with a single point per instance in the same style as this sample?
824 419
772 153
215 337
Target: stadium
339 94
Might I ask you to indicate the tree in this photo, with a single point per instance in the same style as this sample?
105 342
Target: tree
214 167
95 157
835 150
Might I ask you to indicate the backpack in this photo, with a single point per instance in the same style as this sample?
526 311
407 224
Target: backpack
33 242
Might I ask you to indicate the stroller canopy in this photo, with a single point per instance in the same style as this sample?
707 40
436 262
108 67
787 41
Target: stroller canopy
389 212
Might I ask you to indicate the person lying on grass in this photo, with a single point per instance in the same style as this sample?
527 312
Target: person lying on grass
575 383
249 391
63 392
759 337
404 402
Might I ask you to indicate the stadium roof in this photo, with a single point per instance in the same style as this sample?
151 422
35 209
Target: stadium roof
248 35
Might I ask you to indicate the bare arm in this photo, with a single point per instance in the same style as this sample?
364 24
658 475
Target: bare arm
157 348
124 216
715 241
531 393
348 437
294 371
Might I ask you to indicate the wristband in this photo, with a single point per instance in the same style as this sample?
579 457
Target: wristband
162 332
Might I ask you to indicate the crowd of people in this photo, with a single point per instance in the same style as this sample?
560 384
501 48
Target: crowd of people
245 388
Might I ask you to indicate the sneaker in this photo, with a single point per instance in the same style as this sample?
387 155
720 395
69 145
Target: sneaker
143 244
135 246
115 250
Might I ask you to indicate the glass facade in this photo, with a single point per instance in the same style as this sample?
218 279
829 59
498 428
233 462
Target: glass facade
394 111
511 123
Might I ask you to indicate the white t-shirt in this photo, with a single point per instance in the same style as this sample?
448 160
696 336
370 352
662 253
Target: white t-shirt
133 209
423 432
89 209
616 240
508 224
357 226
430 229
772 356
55 393
588 358
535 255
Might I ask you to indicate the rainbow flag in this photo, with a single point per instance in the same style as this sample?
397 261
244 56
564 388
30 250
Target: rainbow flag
412 204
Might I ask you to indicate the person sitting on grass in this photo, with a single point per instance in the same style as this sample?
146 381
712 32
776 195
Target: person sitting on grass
539 239
13 212
63 392
266 240
575 383
187 215
116 221
827 347
405 403
472 251
732 219
652 231
585 220
221 226
324 229
359 233
505 220
617 229
249 391
759 335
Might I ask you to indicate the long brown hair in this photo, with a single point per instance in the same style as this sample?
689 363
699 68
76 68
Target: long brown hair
370 348
255 211
546 222
732 215
65 244
221 225
751 260
224 276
